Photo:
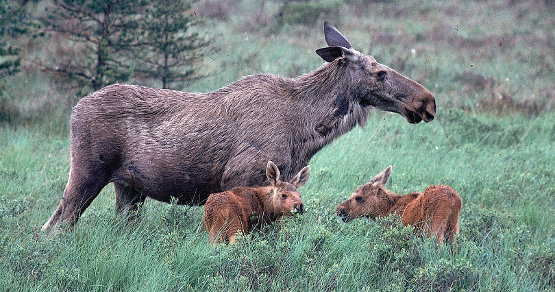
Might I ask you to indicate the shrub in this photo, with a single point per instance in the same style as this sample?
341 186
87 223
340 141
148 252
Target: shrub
479 222
218 9
8 110
445 274
12 208
398 248
463 128
308 13
542 263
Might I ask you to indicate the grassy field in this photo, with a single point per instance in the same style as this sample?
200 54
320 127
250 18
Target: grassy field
501 167
490 66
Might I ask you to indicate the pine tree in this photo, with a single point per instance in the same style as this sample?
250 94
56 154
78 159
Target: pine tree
94 28
164 45
13 22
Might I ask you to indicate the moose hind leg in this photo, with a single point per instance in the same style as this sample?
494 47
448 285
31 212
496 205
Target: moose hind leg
437 227
127 200
80 191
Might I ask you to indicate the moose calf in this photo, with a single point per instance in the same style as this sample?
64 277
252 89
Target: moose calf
248 208
436 211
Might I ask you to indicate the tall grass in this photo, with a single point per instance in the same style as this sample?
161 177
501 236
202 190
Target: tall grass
506 239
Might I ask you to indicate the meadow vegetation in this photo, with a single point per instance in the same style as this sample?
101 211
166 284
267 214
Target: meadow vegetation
490 67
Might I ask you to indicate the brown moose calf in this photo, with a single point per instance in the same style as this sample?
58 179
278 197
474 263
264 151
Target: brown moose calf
436 211
247 208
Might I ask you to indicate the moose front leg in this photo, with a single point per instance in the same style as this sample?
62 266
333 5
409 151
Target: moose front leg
127 200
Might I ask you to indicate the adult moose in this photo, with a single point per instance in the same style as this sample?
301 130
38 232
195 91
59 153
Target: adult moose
162 143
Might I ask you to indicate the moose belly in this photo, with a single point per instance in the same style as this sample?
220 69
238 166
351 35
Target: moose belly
165 182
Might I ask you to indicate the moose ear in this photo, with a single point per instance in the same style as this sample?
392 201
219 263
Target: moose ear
272 173
334 38
331 53
302 177
381 179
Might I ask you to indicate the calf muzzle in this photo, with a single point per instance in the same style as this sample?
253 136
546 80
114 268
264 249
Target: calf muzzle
343 215
298 209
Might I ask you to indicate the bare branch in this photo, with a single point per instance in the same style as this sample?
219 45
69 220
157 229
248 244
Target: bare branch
80 10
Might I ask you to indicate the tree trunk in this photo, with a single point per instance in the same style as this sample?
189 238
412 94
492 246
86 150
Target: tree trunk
166 55
98 80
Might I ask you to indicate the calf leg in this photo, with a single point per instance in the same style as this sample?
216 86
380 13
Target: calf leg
453 226
214 236
234 227
81 189
215 225
127 200
224 231
231 238
438 226
441 232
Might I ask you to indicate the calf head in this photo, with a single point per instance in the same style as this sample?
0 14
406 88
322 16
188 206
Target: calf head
369 200
285 198
375 84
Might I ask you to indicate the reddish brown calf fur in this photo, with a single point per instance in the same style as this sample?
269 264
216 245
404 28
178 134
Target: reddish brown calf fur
247 208
436 211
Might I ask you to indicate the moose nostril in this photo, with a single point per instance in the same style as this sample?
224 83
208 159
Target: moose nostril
430 112
301 208
429 117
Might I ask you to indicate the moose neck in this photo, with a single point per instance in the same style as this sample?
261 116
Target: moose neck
327 105
323 82
266 212
399 202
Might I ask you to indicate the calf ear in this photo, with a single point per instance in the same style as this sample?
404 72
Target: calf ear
301 177
272 173
331 53
381 179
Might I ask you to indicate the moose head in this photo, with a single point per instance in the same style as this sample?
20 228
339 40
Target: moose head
375 84
369 200
286 199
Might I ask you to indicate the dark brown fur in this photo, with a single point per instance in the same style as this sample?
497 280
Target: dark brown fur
162 143
247 208
436 211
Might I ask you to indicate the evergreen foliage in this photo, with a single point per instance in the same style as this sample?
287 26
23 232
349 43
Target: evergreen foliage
14 21
164 45
93 28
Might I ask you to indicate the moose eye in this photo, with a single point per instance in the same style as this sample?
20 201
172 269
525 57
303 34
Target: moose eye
283 196
359 199
380 76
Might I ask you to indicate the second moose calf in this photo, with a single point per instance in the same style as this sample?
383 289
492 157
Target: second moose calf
436 211
247 208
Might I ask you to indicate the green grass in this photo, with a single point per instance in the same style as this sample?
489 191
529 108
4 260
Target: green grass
497 153
506 240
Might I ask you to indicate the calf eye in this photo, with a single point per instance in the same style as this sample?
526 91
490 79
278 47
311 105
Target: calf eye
359 199
380 76
283 196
